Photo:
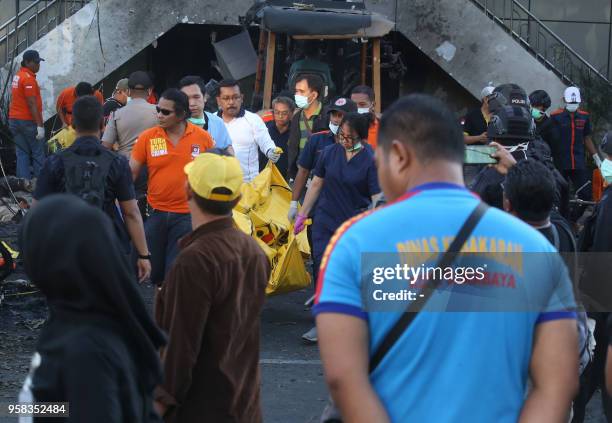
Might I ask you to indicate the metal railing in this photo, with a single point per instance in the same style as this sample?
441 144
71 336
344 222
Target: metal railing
539 40
32 23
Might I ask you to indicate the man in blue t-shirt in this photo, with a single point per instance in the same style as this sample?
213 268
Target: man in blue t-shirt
446 366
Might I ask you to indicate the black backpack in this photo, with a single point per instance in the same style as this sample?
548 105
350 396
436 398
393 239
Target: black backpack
86 175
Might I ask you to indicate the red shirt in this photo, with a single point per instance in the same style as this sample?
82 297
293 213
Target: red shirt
66 100
24 85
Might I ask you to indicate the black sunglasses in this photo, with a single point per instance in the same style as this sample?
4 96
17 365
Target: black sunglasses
164 112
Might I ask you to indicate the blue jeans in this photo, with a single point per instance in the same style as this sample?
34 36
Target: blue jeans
163 231
30 151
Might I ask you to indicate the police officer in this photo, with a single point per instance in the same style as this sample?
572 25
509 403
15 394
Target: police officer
513 128
574 128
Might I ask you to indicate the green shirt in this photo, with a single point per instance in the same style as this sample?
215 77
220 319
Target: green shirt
304 131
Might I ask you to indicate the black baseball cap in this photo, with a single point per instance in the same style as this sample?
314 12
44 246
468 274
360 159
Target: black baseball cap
32 56
140 80
342 104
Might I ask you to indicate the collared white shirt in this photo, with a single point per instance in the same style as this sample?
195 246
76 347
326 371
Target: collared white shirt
249 133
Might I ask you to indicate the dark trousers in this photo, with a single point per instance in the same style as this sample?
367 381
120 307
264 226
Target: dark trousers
320 239
163 231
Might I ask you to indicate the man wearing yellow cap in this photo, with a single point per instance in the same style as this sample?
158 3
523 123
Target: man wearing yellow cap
210 305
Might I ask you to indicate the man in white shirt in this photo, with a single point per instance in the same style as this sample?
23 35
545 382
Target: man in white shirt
247 131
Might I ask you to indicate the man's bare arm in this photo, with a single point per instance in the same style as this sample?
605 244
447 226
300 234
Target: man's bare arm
343 345
588 142
299 183
554 372
135 227
31 100
135 167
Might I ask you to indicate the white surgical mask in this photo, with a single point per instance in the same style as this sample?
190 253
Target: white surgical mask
363 110
334 128
128 100
301 101
572 107
606 170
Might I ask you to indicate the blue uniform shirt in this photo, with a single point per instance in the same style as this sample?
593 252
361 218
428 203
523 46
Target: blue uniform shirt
313 148
348 186
447 366
218 131
572 128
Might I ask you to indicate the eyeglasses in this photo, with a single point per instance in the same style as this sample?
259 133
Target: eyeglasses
164 112
233 98
347 138
283 113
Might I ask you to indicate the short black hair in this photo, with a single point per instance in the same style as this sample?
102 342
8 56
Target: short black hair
83 88
226 83
364 89
530 188
193 80
358 122
217 208
284 100
315 83
425 123
181 102
87 114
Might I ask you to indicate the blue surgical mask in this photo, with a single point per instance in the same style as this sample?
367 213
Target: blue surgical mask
334 128
301 101
197 121
606 170
128 100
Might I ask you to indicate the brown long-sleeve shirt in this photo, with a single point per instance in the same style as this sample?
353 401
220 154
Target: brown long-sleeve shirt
210 306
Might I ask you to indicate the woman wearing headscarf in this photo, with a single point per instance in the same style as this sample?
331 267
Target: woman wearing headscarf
98 351
345 184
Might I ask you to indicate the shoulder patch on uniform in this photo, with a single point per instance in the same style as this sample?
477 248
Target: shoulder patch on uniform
321 132
583 112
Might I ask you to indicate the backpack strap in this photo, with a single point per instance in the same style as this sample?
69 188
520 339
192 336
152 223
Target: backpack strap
205 121
555 235
415 306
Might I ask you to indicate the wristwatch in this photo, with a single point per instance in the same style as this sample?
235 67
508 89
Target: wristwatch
144 257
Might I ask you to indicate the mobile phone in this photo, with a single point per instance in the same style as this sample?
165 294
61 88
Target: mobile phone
479 154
